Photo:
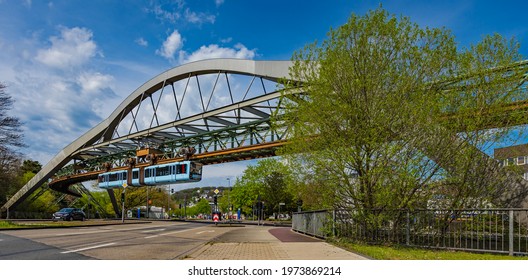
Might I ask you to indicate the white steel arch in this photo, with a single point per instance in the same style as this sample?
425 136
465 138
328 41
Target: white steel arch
269 70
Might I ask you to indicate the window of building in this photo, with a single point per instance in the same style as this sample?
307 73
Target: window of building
521 160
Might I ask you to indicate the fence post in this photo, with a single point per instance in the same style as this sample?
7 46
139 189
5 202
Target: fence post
510 224
408 229
333 223
313 222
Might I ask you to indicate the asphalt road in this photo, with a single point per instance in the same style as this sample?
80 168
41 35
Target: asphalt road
150 241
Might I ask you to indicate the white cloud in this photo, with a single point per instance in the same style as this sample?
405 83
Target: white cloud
198 18
162 14
54 97
172 44
214 51
73 47
94 82
175 11
226 40
142 42
219 2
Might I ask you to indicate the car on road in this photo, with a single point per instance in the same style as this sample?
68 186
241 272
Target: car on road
69 214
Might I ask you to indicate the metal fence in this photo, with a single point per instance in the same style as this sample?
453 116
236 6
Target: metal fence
312 222
480 230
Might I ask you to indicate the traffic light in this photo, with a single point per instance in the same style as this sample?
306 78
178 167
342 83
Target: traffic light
215 200
122 197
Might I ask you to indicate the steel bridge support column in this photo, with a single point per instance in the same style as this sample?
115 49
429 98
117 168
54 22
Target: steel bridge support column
114 203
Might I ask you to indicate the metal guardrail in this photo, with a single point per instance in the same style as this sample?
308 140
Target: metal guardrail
481 230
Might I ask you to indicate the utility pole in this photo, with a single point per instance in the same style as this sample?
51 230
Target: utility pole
168 201
148 204
228 200
185 207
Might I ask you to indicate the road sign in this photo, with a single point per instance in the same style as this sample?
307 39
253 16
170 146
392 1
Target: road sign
215 217
216 191
125 185
282 203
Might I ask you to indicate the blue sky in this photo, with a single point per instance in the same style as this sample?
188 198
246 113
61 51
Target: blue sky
69 63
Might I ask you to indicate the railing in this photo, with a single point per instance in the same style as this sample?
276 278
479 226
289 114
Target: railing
313 223
481 230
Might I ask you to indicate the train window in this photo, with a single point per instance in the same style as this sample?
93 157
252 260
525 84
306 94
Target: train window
148 173
135 174
113 177
181 168
163 171
125 175
196 168
102 178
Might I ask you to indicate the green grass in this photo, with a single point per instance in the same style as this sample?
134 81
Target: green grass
8 224
382 252
43 224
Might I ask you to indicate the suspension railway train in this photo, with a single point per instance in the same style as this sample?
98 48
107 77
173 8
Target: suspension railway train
169 173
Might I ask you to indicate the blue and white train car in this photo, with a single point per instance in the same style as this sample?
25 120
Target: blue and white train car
169 173
112 180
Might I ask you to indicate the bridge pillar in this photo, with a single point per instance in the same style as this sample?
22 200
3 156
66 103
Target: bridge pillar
114 203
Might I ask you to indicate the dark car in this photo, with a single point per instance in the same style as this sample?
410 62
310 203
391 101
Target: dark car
69 214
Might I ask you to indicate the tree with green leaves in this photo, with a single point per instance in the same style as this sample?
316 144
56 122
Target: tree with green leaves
269 180
395 113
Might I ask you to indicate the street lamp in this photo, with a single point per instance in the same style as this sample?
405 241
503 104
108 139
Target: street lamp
228 200
168 201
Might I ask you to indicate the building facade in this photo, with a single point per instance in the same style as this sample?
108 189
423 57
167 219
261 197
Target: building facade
513 156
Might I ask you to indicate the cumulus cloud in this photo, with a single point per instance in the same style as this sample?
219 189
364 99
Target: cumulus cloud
214 51
73 47
94 82
172 44
54 97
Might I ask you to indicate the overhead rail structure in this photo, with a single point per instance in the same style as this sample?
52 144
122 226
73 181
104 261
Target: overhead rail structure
221 109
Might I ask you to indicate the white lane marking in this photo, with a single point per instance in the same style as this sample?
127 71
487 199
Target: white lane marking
169 233
78 233
109 229
88 248
205 231
153 230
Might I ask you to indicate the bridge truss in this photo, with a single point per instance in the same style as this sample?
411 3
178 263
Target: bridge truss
222 108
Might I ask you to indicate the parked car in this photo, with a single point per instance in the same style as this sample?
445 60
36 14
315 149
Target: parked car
69 214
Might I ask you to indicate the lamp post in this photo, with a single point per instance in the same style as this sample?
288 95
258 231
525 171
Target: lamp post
168 201
148 204
228 200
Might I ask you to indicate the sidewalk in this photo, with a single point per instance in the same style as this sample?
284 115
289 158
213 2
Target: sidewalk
265 243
